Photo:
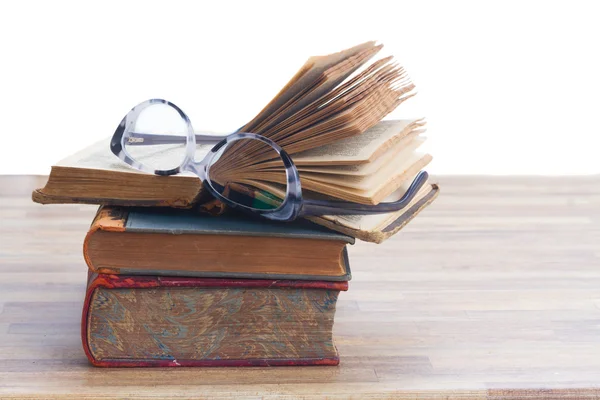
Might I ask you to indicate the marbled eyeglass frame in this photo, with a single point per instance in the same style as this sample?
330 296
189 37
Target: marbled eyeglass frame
293 204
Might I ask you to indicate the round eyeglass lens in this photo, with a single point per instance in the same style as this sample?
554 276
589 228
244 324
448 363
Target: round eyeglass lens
157 137
249 173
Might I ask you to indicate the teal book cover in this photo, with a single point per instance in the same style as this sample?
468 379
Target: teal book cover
171 242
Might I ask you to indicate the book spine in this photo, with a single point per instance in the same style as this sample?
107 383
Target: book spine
107 218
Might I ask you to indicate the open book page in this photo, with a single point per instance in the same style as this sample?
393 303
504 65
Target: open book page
308 74
372 166
98 156
353 121
397 165
380 184
359 148
373 195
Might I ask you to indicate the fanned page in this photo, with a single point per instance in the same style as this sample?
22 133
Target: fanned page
384 157
329 78
322 109
305 77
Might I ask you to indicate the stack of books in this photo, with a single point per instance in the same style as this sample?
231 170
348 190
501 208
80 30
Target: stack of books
180 288
177 279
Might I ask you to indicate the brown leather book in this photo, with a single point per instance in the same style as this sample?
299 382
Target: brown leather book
148 321
163 241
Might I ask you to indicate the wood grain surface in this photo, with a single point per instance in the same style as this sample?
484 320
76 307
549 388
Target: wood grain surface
493 292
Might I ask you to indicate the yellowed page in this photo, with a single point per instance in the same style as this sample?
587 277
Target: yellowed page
372 166
99 156
323 84
350 112
359 148
372 195
326 183
353 121
311 70
375 194
343 95
405 158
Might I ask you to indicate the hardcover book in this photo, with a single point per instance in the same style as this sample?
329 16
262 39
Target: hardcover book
328 118
139 321
152 241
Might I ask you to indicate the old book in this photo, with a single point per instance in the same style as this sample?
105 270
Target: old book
141 321
151 241
328 117
95 176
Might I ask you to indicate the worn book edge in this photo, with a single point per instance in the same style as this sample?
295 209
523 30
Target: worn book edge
40 197
379 236
111 219
129 282
93 175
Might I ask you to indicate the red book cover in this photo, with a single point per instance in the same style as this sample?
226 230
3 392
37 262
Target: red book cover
152 321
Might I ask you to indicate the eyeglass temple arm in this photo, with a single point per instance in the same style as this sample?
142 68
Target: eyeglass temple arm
146 139
324 207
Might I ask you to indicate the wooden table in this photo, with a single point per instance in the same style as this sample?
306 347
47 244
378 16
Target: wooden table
494 291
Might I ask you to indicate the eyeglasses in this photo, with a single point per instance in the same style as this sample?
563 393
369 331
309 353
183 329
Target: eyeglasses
243 170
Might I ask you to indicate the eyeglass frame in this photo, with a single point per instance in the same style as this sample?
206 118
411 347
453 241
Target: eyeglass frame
293 205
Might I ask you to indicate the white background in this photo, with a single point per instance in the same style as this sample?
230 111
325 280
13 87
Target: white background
507 87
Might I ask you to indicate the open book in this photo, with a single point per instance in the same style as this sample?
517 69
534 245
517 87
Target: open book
328 118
